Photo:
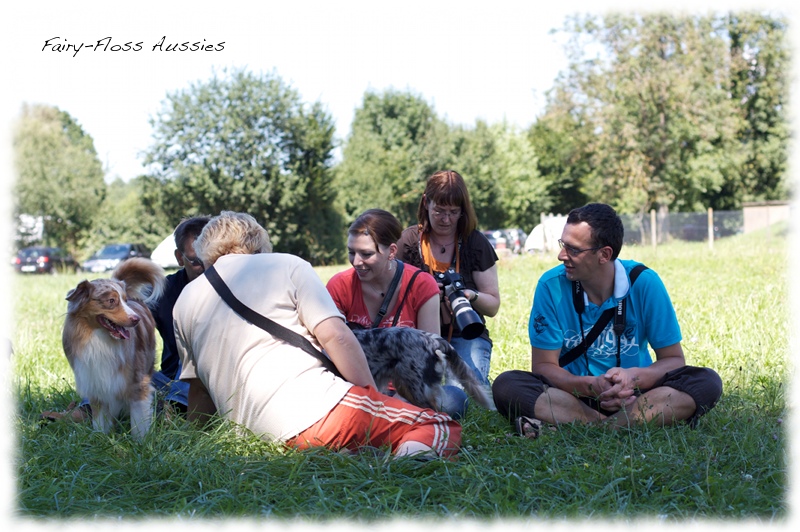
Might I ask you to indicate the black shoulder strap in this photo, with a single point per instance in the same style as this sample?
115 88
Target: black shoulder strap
398 273
405 295
602 321
275 329
639 268
578 350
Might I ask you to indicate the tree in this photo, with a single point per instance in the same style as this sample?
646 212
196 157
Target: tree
247 142
560 141
59 176
663 122
474 153
760 64
525 193
396 142
661 111
123 218
499 165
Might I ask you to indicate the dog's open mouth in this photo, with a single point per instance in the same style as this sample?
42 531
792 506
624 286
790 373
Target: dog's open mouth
116 331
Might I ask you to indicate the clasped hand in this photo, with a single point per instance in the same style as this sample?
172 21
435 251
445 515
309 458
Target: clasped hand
615 389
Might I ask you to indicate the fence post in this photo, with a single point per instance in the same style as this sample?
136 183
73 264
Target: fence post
653 232
545 239
710 228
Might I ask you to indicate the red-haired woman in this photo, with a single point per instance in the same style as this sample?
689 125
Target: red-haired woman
446 237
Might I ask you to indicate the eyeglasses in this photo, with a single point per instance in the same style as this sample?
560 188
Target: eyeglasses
441 215
574 252
197 263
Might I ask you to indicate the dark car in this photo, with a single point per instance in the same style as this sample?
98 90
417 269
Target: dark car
516 239
43 259
490 237
498 238
111 255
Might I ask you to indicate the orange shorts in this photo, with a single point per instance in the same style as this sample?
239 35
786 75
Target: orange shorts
365 416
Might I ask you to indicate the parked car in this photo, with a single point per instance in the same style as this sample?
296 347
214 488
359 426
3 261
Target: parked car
43 259
516 239
498 238
490 237
111 255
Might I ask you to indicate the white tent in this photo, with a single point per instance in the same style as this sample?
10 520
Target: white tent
535 240
544 236
164 254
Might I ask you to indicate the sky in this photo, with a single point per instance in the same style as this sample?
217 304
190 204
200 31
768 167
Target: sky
491 60
470 60
467 60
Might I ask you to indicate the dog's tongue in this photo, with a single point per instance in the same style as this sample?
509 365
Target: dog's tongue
120 333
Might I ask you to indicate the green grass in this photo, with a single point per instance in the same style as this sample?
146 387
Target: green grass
733 305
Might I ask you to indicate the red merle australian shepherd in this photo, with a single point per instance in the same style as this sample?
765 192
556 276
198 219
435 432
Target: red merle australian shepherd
109 340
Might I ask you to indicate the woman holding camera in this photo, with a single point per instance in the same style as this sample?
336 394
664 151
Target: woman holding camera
380 291
447 244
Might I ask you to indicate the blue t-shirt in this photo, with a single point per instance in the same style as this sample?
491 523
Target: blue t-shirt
649 320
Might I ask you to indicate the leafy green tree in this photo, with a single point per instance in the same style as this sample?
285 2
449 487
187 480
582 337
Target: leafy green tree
525 193
59 176
760 65
560 141
474 150
662 111
123 218
662 119
247 142
396 142
499 166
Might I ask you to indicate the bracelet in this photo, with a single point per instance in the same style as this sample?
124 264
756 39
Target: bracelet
474 298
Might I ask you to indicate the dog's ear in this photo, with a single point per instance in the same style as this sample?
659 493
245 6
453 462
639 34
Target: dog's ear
79 295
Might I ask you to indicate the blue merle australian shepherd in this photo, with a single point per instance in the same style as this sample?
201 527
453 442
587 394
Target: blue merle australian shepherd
415 362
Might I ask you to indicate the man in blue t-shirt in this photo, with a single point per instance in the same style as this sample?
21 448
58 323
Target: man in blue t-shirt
605 373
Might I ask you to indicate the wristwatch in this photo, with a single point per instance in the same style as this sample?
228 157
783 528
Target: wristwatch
474 298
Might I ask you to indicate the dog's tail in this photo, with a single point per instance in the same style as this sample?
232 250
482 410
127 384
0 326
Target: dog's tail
463 374
144 279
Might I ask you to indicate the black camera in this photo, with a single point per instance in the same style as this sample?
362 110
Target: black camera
467 320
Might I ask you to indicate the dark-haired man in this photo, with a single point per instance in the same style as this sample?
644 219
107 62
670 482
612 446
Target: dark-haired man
166 381
606 374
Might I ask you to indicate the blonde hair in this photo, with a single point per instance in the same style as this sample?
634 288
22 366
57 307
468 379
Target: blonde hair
231 233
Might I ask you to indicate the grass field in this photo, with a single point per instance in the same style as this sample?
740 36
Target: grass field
733 305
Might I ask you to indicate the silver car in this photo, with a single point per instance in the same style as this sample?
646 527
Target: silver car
111 255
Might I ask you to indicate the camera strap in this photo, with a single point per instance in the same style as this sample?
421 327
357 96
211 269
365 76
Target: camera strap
428 264
275 329
618 313
398 273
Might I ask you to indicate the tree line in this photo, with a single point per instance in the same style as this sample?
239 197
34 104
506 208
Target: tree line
655 111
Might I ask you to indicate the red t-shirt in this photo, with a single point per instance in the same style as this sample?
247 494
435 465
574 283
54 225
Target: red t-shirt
345 289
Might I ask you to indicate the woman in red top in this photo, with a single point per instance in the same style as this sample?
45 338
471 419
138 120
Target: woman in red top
360 292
